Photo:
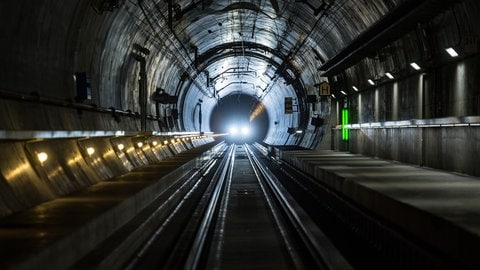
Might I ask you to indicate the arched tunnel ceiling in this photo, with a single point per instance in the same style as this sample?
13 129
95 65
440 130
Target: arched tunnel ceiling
268 49
307 35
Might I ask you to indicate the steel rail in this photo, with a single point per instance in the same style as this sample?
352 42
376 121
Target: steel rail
220 178
201 173
286 202
282 227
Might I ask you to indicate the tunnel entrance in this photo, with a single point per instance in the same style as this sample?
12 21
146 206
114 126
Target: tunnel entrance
232 114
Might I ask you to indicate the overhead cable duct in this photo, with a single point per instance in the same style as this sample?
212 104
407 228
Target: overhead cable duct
183 52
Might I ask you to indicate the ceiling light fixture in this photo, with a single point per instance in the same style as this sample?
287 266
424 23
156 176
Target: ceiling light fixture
415 66
389 75
451 52
370 81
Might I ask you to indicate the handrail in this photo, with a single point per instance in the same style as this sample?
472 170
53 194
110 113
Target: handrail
463 121
67 103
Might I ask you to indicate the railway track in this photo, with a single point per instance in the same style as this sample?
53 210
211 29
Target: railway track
231 213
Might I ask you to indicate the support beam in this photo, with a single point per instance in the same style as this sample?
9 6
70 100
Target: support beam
142 93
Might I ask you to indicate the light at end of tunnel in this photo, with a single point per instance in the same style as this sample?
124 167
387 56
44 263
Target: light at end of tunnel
245 131
42 157
415 66
355 88
90 151
120 146
451 52
370 81
389 75
233 130
139 144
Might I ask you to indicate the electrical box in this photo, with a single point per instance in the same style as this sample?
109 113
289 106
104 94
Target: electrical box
288 105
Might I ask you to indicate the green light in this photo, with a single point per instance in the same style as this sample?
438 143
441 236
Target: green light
345 133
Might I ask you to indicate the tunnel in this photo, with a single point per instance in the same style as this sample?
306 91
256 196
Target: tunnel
92 86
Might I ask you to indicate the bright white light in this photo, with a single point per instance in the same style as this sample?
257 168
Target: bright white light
42 157
299 131
120 146
371 82
355 88
245 131
334 96
343 92
154 143
165 142
139 144
415 66
389 75
90 151
233 130
452 52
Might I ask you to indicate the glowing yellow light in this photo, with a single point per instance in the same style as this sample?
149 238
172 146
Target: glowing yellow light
42 157
90 151
165 142
173 140
120 146
260 108
178 140
139 144
154 143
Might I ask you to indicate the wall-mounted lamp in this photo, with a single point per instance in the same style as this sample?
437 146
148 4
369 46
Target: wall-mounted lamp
90 151
120 146
139 144
42 157
154 143
165 142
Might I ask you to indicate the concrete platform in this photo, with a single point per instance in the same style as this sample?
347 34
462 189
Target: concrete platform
441 209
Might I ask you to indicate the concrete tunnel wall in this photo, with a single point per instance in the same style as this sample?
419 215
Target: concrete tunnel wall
427 117
26 181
